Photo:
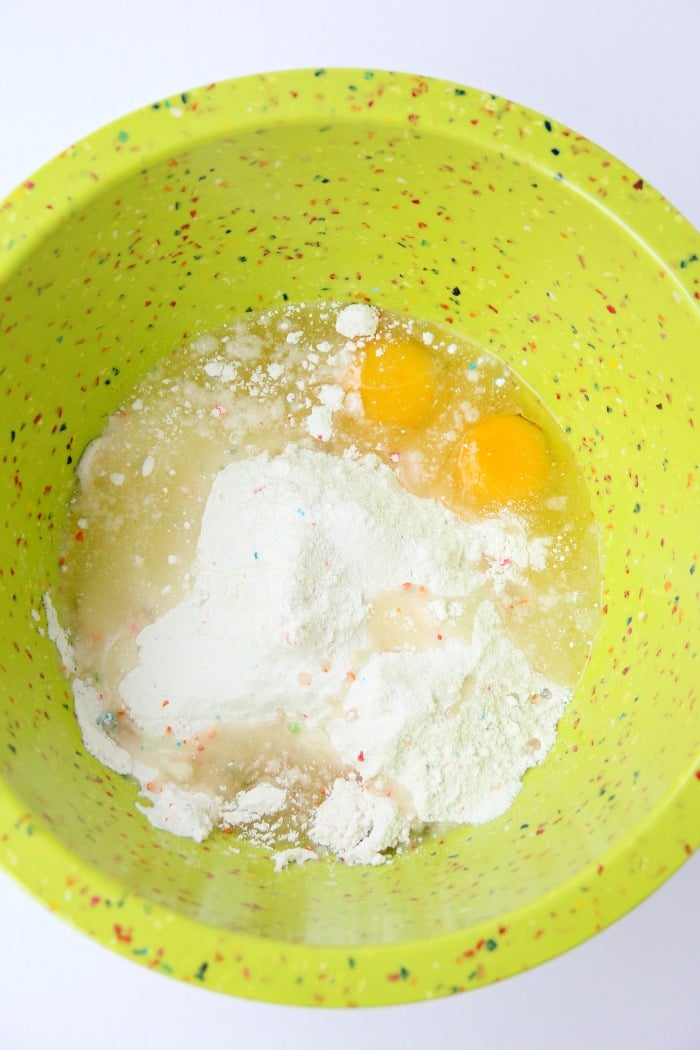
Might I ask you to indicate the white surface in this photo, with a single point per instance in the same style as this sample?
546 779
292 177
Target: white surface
626 74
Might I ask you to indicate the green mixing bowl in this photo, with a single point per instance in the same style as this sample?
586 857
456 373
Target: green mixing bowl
448 204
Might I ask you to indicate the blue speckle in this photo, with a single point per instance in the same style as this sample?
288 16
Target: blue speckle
256 555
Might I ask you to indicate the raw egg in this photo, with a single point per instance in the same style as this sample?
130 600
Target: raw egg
504 458
398 383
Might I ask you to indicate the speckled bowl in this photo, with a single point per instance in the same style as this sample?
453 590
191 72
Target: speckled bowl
459 207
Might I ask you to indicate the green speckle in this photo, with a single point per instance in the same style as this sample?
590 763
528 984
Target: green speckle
123 136
294 727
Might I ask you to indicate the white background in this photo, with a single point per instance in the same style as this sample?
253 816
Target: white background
626 73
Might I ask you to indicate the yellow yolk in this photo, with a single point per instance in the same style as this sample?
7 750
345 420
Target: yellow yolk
398 383
504 458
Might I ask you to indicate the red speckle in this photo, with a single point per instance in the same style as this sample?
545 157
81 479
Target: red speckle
80 536
611 309
601 869
639 184
492 307
697 774
125 936
420 89
360 756
165 703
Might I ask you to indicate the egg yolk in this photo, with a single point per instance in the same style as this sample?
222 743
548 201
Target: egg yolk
398 383
504 458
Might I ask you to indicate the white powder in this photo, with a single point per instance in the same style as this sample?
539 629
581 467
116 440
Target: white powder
319 422
357 321
325 599
264 800
357 824
293 552
190 814
302 558
283 858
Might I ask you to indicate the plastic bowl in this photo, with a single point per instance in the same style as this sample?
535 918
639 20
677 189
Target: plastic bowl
452 205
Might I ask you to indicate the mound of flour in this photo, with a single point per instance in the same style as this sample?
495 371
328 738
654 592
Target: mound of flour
297 553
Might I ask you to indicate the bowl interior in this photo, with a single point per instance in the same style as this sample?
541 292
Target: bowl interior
446 204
